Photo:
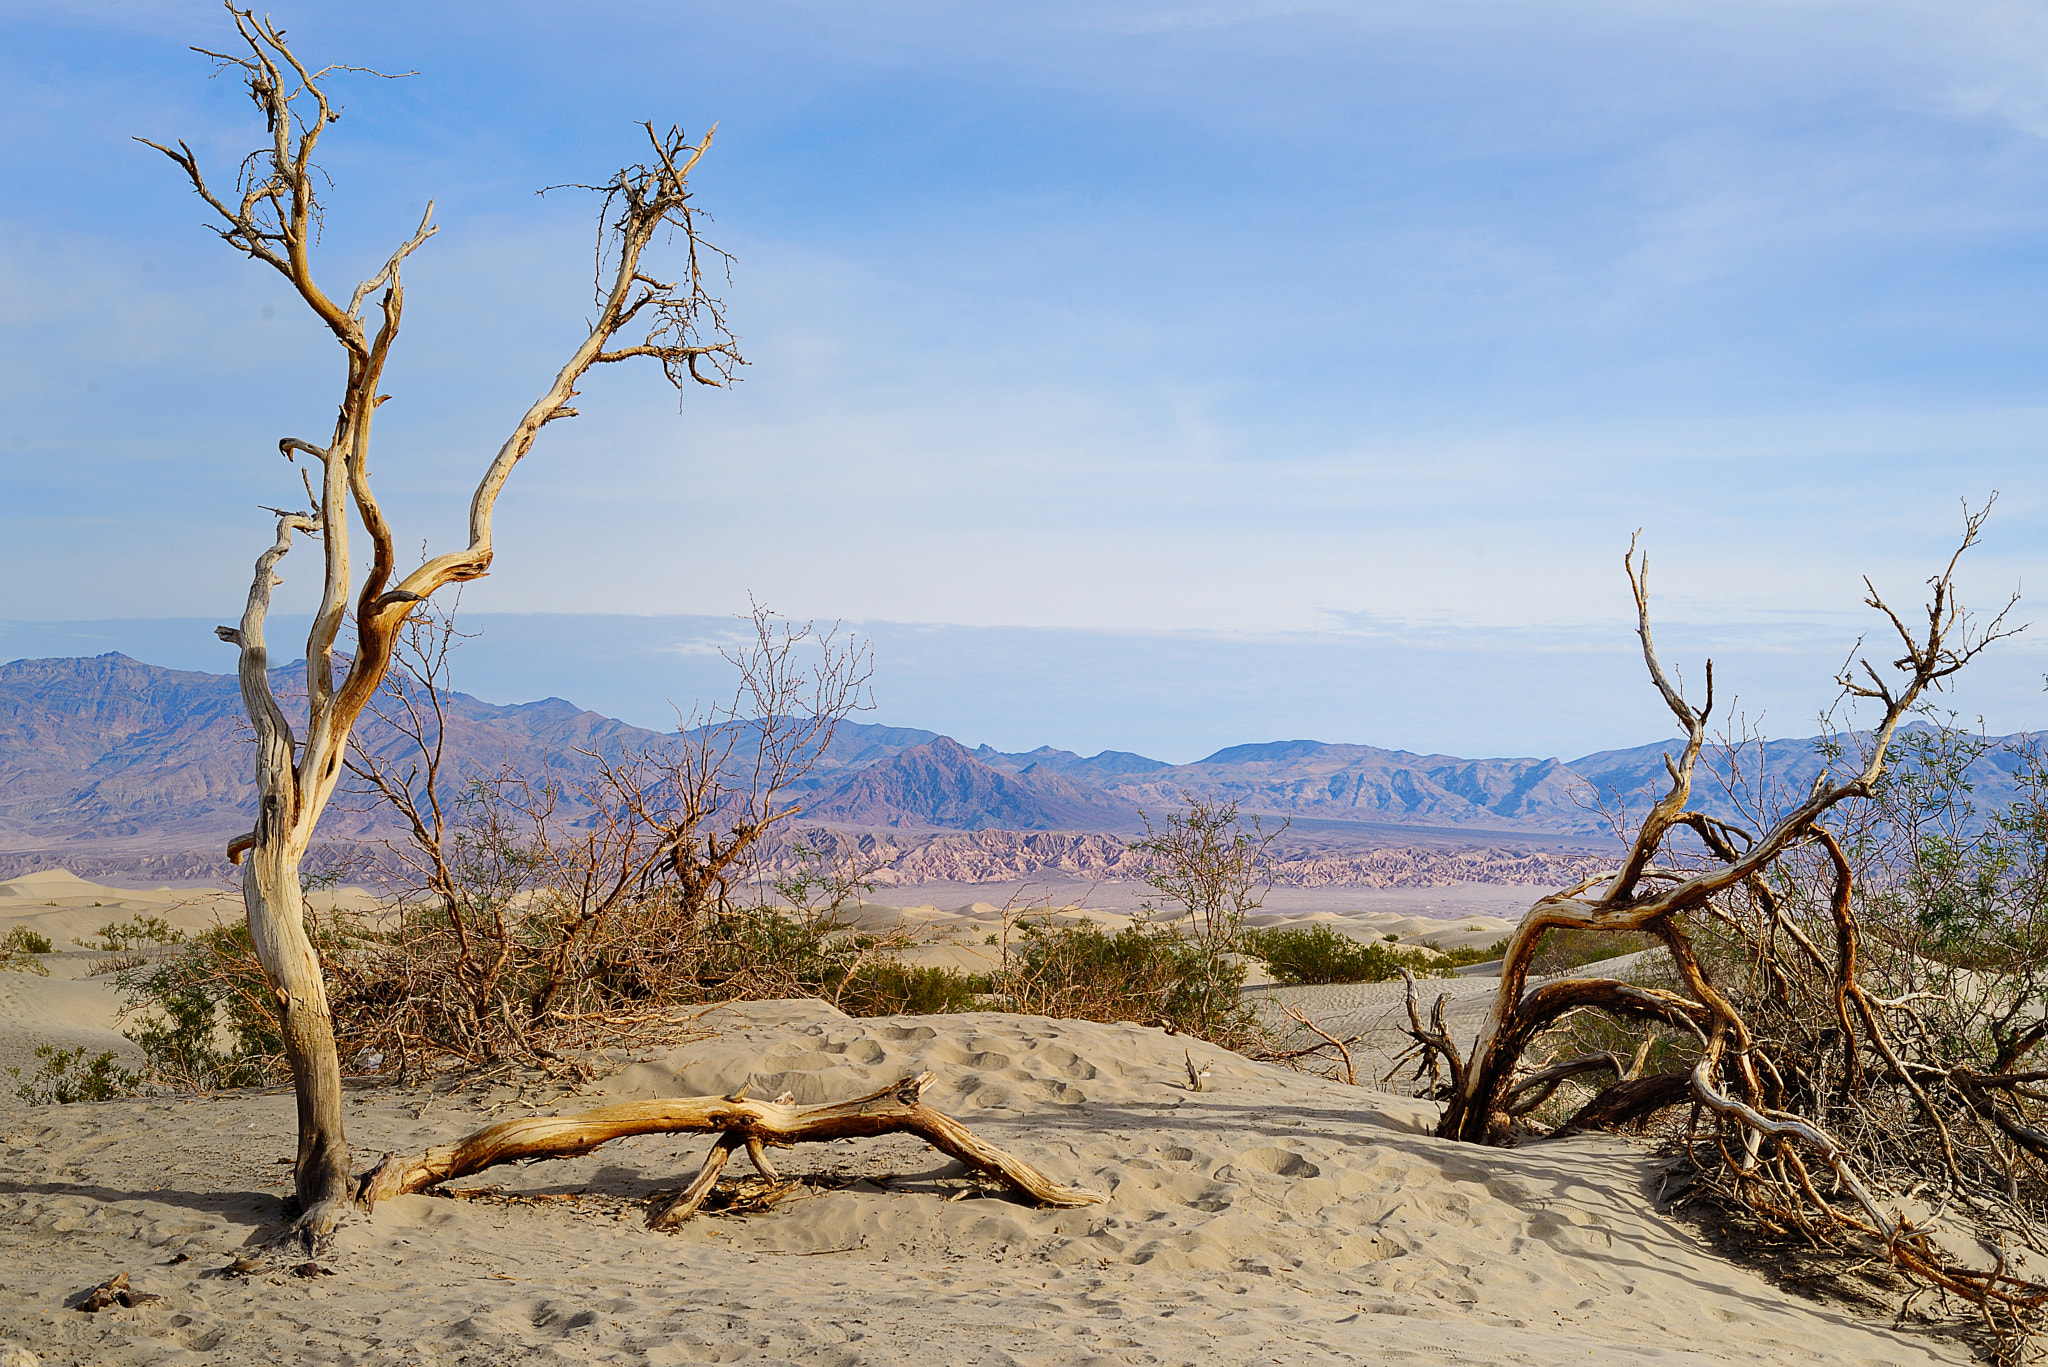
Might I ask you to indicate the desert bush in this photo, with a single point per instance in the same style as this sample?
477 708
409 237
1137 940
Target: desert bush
202 1017
20 949
746 952
205 1016
1181 964
68 1075
1207 866
1471 954
533 916
889 988
402 1004
137 932
1146 973
1563 949
1320 954
405 993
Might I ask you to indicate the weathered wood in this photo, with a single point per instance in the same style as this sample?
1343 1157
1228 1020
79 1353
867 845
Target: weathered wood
670 1213
1630 1102
896 1109
1639 896
275 218
759 1154
1748 1087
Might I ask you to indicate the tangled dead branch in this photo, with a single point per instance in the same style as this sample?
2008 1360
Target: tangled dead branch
1825 1091
739 1124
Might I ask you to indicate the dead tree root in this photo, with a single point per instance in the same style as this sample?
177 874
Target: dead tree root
738 1122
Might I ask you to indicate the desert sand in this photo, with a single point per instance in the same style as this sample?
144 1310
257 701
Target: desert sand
1271 1217
73 1007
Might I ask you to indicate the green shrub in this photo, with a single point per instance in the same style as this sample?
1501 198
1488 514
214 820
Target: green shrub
1319 954
895 989
182 1005
764 951
1563 948
27 941
1141 973
137 932
401 992
67 1075
19 948
1472 954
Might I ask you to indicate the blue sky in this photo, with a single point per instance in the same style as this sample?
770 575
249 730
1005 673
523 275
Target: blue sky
1182 374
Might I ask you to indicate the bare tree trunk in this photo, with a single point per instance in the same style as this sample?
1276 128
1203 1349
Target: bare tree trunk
274 903
276 910
274 217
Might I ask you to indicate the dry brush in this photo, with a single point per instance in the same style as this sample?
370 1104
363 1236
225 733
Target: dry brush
1825 1096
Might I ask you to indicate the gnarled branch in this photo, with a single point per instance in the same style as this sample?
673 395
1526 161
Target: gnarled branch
896 1109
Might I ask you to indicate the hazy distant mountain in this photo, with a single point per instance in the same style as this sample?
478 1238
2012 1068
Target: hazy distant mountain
107 748
1361 783
1109 766
129 761
942 785
1376 857
1779 772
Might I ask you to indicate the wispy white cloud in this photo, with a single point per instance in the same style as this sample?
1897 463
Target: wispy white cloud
1383 324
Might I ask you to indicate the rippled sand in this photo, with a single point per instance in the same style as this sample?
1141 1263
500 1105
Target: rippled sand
1272 1217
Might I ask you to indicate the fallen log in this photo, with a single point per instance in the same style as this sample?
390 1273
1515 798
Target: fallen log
739 1123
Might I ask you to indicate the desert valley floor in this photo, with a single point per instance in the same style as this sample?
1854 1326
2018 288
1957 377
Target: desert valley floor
1271 1217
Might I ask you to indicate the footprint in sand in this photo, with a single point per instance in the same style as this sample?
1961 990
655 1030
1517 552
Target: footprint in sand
1278 1162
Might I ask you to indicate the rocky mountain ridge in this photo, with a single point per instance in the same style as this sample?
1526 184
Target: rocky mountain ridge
109 762
941 784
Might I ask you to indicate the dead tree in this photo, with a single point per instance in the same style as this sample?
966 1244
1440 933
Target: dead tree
273 215
1793 1047
731 776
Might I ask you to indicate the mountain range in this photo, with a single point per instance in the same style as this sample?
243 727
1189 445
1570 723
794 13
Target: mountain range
108 757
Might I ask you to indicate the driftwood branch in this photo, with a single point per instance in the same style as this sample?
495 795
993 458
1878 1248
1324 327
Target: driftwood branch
896 1109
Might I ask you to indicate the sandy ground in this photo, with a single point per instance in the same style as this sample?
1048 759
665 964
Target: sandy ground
74 1006
1271 1217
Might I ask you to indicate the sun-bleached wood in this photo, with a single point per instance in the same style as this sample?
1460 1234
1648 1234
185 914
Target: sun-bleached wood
1640 897
896 1109
274 217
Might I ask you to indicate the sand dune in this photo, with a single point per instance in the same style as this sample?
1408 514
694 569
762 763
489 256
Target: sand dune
74 1006
1272 1217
